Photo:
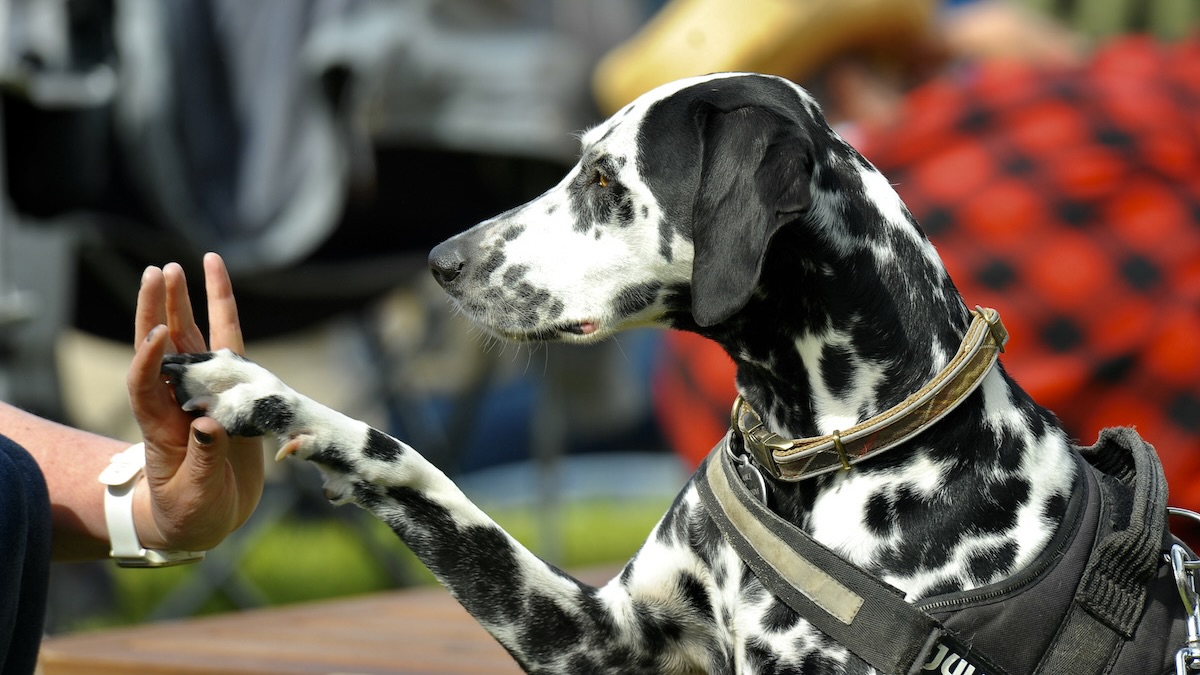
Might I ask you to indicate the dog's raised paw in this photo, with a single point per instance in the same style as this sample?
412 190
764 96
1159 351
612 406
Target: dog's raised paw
242 396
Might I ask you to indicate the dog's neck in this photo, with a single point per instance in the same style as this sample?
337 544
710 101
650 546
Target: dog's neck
861 330
869 321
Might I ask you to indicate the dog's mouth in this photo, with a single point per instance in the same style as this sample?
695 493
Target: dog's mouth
558 332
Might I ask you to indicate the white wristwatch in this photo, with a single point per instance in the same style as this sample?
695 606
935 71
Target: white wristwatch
121 475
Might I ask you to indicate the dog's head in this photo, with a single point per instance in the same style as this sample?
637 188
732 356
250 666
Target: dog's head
669 211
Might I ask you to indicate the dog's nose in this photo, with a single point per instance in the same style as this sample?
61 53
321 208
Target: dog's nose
446 263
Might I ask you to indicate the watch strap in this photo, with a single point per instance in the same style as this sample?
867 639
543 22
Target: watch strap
120 477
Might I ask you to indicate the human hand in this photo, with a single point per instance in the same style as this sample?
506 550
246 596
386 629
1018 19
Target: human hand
203 484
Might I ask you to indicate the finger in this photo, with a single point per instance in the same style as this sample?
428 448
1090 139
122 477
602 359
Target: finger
149 398
151 305
182 323
225 331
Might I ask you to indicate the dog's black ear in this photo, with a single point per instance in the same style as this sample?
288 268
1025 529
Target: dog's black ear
754 178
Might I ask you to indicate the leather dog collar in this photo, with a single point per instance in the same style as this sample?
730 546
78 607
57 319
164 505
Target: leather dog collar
797 459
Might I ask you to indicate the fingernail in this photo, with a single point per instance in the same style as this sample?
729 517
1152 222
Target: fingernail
203 438
150 335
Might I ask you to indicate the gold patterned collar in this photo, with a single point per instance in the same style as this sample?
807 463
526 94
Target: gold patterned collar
797 459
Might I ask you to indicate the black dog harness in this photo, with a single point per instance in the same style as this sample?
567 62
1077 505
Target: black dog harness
1101 598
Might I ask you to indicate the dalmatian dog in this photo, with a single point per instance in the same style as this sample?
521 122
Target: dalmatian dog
723 205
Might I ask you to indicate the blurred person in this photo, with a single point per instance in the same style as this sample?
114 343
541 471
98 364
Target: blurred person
198 484
1061 186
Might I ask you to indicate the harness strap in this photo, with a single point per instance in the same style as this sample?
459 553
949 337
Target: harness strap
1113 591
850 605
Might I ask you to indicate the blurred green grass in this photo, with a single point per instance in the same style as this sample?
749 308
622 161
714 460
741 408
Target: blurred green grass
298 560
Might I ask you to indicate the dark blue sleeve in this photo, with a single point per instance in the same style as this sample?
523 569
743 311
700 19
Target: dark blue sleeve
24 558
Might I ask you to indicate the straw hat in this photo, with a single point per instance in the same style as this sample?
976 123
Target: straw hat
790 38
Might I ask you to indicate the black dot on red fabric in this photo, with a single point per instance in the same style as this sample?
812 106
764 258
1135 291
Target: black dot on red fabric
1140 273
1061 334
996 274
1114 138
1017 164
976 120
1075 213
1114 370
1184 411
936 221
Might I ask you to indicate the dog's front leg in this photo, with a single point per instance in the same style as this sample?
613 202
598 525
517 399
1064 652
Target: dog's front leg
651 619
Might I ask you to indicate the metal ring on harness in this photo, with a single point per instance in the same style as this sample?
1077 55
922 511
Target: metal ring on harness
749 473
1185 565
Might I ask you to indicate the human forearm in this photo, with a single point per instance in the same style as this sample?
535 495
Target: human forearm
71 460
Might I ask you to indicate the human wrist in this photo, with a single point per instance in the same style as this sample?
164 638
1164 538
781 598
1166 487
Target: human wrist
122 514
144 523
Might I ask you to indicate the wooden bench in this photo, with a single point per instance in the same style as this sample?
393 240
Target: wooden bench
409 631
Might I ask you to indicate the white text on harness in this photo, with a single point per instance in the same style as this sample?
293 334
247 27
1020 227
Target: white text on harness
947 662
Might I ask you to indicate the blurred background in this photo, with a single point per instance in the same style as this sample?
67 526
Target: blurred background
1050 148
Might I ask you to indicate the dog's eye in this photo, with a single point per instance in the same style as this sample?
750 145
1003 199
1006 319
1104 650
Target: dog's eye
600 179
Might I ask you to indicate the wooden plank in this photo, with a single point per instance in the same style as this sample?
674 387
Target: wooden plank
410 632
406 632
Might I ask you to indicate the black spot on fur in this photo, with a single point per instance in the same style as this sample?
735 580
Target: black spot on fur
489 265
633 299
780 617
984 564
695 596
332 458
665 235
382 447
513 231
998 511
1056 508
837 369
515 274
659 629
270 413
1011 450
878 514
549 630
